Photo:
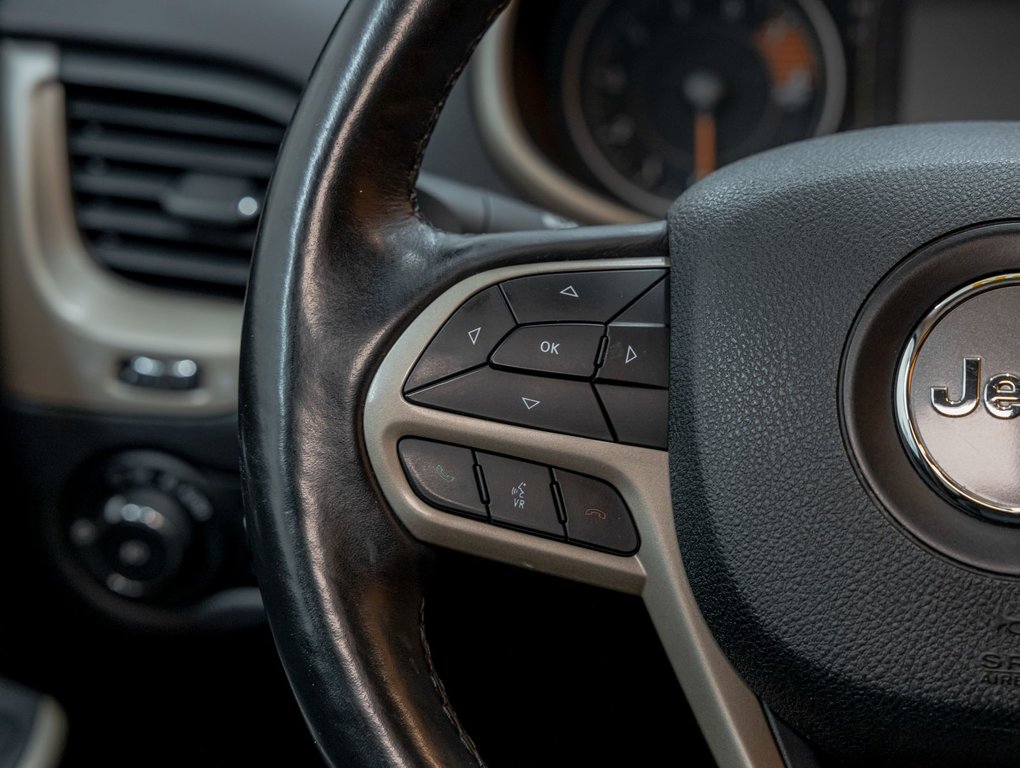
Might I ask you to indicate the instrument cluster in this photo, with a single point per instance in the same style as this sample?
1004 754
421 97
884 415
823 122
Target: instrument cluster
607 110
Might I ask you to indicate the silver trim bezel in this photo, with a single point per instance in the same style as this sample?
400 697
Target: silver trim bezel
930 469
727 711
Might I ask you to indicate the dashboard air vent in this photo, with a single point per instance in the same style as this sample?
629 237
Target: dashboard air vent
169 167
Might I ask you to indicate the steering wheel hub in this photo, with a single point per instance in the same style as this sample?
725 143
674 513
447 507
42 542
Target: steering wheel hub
830 568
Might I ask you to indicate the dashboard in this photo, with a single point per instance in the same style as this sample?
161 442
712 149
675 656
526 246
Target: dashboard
608 110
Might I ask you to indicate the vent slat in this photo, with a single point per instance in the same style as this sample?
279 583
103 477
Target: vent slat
159 179
157 226
178 266
173 154
167 121
123 184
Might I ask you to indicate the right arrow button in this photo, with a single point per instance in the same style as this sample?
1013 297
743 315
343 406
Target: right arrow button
637 354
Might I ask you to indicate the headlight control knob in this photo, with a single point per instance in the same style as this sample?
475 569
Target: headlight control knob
136 543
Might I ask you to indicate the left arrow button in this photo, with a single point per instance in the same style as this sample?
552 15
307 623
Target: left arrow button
466 340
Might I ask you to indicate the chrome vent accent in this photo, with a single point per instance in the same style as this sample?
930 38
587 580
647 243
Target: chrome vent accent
169 166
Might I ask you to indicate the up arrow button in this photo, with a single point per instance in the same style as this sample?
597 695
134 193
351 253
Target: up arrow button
577 297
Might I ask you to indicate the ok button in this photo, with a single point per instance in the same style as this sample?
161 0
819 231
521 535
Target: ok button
561 349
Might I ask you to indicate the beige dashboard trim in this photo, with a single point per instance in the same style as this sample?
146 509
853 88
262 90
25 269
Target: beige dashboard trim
45 747
66 323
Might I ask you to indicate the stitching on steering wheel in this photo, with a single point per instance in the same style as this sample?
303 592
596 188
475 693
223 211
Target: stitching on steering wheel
434 117
465 739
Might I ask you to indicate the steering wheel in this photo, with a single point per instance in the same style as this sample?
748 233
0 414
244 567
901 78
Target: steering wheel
828 542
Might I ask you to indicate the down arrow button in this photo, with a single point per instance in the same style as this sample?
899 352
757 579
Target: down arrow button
556 405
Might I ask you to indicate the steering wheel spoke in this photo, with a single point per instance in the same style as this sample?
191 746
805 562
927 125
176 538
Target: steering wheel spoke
521 415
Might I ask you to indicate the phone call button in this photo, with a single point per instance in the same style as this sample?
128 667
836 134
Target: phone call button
596 515
443 475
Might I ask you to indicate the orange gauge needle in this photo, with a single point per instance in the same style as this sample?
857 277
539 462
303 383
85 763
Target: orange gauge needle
704 145
704 90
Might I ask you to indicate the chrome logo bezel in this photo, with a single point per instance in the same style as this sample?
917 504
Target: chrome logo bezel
940 480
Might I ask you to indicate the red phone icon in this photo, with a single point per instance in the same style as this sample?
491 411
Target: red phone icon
593 512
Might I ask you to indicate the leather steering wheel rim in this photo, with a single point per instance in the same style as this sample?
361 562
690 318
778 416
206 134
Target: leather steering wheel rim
341 579
343 264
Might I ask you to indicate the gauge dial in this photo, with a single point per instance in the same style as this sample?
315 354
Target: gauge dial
659 93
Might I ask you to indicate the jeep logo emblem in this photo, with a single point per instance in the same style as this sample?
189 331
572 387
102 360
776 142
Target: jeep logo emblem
953 407
1001 394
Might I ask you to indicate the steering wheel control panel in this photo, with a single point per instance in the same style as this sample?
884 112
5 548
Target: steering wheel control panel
519 494
580 353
